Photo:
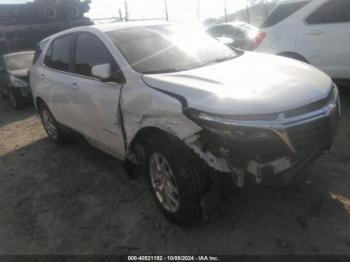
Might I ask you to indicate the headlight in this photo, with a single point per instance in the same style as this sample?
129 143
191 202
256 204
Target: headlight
335 98
334 94
15 81
229 128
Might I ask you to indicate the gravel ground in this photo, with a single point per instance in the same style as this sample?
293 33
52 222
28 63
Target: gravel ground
74 199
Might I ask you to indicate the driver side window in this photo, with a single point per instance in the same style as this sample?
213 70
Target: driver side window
90 51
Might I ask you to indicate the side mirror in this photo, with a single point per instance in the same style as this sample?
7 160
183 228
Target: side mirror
102 71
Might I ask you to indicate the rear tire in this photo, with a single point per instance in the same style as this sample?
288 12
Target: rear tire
175 180
16 98
51 126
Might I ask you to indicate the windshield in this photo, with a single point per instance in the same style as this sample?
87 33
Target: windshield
168 48
19 62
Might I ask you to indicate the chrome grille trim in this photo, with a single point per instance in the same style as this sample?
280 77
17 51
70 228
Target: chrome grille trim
281 125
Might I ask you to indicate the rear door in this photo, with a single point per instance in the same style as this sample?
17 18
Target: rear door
324 39
96 101
56 81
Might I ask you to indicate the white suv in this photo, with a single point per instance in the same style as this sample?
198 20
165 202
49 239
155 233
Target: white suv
184 106
317 32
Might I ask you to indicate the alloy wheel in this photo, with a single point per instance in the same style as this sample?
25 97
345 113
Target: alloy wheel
163 182
49 124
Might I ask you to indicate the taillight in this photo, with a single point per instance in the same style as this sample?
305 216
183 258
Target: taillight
258 39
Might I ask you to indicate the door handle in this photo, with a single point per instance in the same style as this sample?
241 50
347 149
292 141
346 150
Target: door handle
75 85
316 32
42 75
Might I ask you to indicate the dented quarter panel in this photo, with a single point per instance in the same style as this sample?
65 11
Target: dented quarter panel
143 106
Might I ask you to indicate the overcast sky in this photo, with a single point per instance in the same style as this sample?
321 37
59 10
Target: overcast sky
182 10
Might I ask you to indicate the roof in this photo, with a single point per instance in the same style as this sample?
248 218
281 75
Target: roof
110 27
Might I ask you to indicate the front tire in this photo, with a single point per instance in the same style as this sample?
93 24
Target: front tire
51 126
175 181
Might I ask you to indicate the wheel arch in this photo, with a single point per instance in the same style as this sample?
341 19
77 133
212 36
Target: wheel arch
149 131
146 135
294 55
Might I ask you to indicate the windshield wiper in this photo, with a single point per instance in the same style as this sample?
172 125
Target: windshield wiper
174 70
163 71
216 61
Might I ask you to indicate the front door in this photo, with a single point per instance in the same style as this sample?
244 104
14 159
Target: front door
96 101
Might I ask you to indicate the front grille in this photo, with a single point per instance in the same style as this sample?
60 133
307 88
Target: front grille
315 135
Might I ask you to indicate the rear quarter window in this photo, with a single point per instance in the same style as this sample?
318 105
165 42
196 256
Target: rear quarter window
58 54
282 12
38 51
333 11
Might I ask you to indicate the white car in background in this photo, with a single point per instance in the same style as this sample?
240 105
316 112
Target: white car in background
183 106
316 32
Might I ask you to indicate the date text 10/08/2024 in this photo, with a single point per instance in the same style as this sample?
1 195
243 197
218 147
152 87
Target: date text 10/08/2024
173 258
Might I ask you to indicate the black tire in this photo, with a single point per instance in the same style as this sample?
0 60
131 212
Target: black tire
58 137
16 98
73 11
191 183
49 12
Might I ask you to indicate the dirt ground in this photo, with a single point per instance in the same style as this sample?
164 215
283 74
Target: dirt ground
74 199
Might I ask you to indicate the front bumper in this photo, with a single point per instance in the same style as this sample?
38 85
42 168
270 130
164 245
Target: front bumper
299 136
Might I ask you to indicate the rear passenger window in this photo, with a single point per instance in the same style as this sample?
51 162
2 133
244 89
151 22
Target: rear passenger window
58 55
38 51
282 12
333 11
90 51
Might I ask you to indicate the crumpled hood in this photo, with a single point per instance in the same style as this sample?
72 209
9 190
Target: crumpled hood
247 85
